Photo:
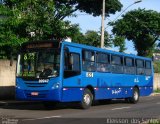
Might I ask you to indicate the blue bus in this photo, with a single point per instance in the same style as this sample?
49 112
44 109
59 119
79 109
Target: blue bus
51 72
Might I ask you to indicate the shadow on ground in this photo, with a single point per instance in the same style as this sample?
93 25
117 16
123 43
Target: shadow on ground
40 106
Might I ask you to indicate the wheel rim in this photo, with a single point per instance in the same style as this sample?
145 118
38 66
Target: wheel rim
87 99
136 95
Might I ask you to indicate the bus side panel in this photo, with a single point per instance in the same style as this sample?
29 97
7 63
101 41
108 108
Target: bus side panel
112 93
72 89
114 86
72 94
146 91
147 87
121 86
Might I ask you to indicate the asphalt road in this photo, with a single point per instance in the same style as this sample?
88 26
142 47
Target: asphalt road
118 111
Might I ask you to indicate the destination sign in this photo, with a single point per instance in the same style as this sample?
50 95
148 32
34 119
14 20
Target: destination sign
39 45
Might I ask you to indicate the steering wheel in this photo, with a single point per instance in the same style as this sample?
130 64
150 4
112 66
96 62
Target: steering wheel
46 73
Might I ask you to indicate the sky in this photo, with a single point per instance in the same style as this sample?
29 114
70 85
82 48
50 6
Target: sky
88 22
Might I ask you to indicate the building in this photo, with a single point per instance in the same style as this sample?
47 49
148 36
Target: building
156 56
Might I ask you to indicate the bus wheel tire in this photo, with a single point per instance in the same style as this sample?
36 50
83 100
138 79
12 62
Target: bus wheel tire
135 97
50 105
87 99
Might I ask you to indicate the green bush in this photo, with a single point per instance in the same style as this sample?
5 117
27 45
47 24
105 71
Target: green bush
156 67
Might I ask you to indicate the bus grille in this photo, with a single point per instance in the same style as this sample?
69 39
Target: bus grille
34 84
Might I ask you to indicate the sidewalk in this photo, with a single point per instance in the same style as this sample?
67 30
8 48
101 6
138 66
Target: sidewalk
155 94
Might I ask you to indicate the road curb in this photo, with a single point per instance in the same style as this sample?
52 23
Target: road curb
155 94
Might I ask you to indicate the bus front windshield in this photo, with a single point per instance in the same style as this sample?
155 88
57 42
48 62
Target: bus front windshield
39 64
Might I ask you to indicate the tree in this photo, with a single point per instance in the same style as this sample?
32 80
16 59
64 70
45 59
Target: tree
43 19
140 26
119 42
93 38
93 7
21 18
156 65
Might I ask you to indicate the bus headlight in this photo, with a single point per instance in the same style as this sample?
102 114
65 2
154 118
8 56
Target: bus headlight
18 86
55 86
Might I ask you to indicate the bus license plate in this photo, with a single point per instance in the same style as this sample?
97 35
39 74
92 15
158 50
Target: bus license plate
34 93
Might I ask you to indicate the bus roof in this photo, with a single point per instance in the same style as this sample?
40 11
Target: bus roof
103 50
83 46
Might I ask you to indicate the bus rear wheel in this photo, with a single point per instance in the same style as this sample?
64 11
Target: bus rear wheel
87 99
135 97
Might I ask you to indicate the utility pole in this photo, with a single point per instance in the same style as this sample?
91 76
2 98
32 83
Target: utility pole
103 16
102 24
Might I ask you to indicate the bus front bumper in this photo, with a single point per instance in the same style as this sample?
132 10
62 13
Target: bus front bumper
38 95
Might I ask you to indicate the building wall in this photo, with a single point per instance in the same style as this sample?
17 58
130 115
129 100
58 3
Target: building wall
7 79
156 81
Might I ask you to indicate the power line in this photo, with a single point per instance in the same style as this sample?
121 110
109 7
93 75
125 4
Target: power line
125 10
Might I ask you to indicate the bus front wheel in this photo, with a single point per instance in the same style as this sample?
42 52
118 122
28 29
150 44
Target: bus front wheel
87 99
135 97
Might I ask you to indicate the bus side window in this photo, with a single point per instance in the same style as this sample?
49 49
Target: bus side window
148 70
72 65
129 65
66 59
75 62
88 60
102 62
140 67
117 64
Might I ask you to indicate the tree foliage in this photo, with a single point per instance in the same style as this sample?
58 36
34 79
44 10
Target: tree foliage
19 19
119 41
156 67
140 26
93 38
94 7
